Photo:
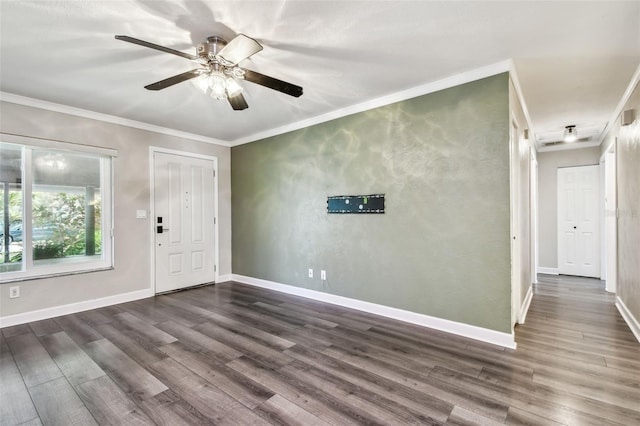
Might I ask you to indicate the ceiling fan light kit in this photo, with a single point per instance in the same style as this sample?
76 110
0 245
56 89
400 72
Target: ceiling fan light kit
219 72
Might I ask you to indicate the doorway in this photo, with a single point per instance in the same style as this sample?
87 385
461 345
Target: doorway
516 272
579 221
184 214
610 237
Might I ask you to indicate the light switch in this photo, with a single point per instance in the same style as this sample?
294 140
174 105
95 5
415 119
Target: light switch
141 214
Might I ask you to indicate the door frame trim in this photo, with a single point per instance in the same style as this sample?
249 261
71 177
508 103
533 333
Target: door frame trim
152 205
597 210
514 210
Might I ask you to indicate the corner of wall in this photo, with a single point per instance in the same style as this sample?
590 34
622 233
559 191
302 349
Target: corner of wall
629 318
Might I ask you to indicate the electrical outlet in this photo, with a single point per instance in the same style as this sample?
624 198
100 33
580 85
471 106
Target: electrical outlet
323 275
14 292
310 273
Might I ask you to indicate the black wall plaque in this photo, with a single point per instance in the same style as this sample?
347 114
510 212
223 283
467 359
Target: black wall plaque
356 204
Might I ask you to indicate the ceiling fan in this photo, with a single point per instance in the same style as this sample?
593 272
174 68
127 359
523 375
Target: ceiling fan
219 72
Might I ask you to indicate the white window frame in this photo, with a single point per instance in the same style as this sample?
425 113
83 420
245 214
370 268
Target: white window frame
68 266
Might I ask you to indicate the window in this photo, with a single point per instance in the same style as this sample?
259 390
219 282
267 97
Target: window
55 208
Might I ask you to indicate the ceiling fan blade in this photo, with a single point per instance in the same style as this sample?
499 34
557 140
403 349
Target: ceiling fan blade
163 84
156 47
239 49
238 102
273 83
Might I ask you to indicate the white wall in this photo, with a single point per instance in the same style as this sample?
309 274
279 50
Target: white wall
628 205
548 164
131 192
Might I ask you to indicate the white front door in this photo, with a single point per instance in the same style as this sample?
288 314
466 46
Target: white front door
579 221
184 221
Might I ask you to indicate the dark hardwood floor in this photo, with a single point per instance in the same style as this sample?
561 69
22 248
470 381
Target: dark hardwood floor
232 354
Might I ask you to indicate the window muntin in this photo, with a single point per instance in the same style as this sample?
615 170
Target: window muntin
59 211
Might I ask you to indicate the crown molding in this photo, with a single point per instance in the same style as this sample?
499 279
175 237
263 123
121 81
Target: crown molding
79 112
445 83
623 101
513 75
424 89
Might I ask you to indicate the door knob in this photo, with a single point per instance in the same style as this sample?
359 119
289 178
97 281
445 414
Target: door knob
160 229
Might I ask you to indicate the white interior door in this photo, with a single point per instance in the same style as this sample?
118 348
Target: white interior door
579 221
184 221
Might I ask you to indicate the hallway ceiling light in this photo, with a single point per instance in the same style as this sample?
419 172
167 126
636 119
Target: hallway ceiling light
570 134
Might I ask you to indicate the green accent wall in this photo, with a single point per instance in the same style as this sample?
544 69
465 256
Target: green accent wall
442 247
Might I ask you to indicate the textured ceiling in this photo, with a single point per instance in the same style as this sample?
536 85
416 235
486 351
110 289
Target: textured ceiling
574 59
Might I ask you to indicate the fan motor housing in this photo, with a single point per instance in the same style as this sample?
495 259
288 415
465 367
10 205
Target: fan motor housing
210 48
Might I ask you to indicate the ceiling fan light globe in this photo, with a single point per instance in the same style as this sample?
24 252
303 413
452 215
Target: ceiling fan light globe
233 88
218 86
202 83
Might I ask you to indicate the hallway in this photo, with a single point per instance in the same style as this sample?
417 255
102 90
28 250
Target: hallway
580 347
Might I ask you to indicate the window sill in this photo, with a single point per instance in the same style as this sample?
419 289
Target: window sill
53 275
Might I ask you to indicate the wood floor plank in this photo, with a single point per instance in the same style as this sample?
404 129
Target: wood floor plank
488 407
518 417
146 331
243 329
612 393
404 395
317 313
109 405
44 327
317 402
186 317
413 350
137 348
246 391
356 350
379 406
555 404
58 404
169 409
309 319
133 379
207 399
32 422
195 339
16 330
244 344
461 417
16 406
281 411
298 335
74 363
77 329
35 364
97 316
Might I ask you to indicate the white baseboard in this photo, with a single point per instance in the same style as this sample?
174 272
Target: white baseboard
549 271
525 306
631 321
73 308
224 278
506 340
